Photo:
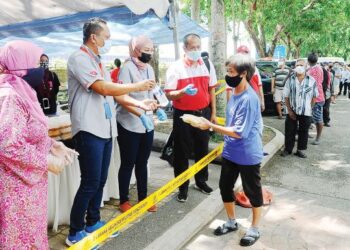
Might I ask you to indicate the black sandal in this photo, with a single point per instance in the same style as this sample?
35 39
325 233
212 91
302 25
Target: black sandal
225 229
249 239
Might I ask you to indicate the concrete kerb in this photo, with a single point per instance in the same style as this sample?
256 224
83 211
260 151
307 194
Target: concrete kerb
181 232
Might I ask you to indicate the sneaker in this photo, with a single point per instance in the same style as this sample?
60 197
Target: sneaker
72 239
125 206
204 188
300 154
152 209
327 125
181 197
98 225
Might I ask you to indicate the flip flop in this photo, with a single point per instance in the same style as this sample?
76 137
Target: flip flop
225 229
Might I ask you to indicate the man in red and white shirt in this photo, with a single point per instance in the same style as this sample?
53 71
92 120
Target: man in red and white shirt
191 87
255 82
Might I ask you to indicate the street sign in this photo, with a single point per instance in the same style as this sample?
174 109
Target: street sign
280 52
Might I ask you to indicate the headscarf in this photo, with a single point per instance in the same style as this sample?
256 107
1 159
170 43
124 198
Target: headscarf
135 46
21 55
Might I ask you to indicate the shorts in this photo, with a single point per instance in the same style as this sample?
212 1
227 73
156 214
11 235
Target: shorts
278 95
250 181
317 112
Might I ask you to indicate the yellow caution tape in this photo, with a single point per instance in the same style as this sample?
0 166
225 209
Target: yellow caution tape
220 121
136 211
220 90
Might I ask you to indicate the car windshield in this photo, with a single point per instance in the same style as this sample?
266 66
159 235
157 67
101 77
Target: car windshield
266 71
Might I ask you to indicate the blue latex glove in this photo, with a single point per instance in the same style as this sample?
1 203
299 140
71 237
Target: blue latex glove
190 90
146 122
161 115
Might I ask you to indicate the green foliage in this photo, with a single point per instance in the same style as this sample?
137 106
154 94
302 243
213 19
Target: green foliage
313 25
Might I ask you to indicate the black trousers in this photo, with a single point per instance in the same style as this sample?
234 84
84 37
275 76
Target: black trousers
186 139
326 107
250 181
291 129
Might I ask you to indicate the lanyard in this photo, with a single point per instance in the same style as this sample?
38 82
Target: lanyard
93 58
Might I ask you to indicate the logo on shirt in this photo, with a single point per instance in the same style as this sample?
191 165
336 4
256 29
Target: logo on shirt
93 73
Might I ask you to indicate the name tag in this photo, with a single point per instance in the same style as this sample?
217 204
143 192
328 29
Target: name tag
108 111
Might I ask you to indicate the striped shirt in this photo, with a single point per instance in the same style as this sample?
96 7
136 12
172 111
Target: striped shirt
279 75
300 95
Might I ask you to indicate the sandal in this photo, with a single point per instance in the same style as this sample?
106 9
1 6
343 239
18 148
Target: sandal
249 238
224 229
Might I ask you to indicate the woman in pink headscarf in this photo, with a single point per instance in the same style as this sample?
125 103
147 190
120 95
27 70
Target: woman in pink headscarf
26 152
135 127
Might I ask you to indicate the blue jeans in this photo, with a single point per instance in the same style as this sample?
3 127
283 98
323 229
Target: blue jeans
135 149
94 158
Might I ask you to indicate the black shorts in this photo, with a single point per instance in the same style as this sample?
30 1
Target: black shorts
250 181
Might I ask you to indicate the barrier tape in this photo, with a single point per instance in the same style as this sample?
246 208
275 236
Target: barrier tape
222 89
94 239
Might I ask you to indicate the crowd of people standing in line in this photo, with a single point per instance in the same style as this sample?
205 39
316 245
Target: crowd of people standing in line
307 92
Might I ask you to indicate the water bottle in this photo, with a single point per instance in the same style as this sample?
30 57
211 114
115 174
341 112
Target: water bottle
160 96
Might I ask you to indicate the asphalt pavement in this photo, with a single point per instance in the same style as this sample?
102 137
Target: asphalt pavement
311 206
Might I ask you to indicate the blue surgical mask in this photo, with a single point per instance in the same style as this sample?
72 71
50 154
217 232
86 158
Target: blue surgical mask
193 55
106 48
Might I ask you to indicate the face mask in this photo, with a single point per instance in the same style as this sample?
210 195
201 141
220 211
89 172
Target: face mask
193 55
34 77
105 48
299 70
233 81
44 65
145 57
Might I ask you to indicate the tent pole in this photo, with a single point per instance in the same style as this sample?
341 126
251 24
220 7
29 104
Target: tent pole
174 14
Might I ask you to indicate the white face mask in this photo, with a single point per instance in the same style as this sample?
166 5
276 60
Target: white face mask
193 55
106 48
299 70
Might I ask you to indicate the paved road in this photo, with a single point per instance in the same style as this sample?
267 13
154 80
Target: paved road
311 208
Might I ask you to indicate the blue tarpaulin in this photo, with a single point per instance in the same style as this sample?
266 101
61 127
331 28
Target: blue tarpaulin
62 35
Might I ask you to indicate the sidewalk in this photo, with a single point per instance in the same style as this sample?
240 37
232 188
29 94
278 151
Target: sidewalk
311 202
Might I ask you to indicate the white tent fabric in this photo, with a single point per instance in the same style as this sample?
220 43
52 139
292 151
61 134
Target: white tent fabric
17 11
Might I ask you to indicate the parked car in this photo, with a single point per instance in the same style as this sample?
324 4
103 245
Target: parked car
266 69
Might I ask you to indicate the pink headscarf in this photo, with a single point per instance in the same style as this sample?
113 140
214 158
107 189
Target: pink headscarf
21 55
135 46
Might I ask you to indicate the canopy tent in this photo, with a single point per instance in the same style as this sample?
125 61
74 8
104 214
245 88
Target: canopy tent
60 31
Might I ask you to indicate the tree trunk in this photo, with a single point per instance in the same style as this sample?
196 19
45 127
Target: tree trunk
218 46
262 35
254 36
235 27
155 62
195 10
276 37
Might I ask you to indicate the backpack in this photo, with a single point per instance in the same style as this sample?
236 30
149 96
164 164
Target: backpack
206 62
325 81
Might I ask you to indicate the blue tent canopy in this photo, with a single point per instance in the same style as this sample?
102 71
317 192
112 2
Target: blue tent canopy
61 35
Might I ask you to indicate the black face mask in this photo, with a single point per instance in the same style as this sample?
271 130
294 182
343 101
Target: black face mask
233 81
34 77
145 58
